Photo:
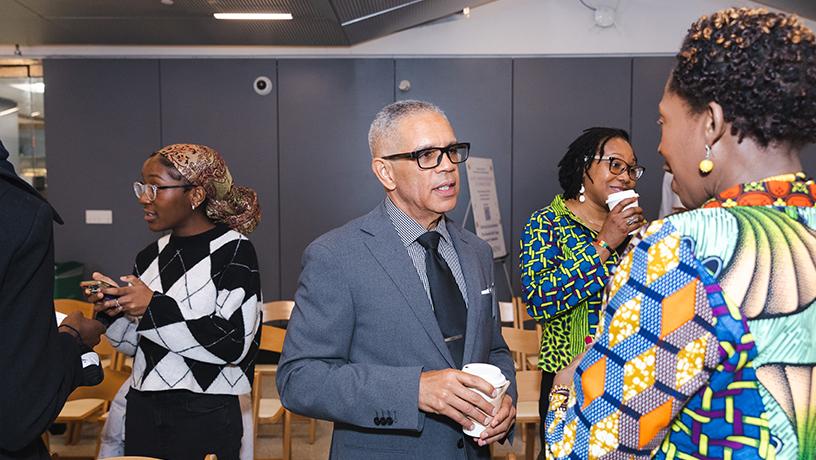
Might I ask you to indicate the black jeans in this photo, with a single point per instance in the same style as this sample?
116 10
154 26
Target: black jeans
544 401
180 425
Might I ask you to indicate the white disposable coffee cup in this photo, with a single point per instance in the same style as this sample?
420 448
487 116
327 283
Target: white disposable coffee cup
493 375
614 198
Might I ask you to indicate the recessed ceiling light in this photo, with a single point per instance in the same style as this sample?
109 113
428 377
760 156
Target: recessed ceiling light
30 87
254 16
167 2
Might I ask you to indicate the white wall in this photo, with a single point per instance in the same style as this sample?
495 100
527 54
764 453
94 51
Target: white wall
503 27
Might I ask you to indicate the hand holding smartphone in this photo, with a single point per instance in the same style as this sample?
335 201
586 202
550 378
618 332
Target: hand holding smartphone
93 291
94 287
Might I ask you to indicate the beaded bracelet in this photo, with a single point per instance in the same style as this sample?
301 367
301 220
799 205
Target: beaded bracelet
604 245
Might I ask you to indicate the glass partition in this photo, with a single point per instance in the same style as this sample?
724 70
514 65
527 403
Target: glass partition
22 118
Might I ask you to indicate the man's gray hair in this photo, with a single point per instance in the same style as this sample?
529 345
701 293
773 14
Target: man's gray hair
388 118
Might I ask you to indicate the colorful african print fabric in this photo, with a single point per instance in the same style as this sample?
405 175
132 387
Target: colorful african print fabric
707 349
562 278
786 190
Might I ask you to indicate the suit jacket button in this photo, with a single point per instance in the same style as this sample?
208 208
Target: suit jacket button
377 421
389 421
460 443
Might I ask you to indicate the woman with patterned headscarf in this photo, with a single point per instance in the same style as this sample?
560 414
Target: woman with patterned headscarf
190 310
708 348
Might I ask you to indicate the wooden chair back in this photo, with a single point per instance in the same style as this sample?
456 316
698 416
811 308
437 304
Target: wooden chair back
278 310
208 457
68 306
272 338
524 344
528 385
106 390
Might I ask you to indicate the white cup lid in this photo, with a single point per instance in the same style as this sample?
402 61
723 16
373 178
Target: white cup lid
492 374
622 195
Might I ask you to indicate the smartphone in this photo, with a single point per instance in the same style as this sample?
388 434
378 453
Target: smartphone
95 286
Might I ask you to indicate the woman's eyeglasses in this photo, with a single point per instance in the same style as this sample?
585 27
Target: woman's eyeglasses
618 166
431 157
151 190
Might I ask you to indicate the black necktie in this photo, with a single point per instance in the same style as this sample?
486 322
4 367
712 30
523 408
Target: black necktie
449 306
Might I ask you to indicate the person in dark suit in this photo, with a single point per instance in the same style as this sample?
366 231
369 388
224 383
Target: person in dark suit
40 362
391 305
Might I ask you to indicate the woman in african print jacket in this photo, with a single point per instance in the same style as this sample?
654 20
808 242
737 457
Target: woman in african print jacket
568 248
707 347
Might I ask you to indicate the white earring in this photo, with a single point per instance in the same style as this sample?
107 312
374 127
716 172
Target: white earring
192 206
581 196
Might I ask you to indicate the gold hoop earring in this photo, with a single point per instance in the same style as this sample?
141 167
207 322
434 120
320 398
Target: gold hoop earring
707 165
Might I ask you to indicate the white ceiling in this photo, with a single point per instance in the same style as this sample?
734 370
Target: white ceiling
190 22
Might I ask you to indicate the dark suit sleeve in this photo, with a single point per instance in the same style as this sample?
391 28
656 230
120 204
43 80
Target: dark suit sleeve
316 375
40 366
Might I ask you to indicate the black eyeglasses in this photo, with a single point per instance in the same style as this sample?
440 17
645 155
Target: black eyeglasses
618 166
151 190
431 157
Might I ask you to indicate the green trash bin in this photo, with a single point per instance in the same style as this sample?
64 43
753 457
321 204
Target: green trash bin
67 276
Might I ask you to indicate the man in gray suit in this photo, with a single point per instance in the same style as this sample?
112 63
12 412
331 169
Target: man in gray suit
392 304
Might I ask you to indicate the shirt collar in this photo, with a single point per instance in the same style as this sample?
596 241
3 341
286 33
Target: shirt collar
559 208
409 229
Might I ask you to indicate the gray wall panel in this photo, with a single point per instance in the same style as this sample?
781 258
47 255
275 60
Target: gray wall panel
554 99
103 122
648 78
326 108
212 102
476 95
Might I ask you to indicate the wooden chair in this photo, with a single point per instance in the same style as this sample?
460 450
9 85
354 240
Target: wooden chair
278 310
87 404
524 344
270 410
68 306
208 457
281 310
521 317
528 385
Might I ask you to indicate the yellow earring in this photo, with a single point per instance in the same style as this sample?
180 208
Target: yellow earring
706 166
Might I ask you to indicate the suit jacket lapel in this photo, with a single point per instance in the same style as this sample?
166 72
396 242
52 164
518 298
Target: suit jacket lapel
469 261
386 246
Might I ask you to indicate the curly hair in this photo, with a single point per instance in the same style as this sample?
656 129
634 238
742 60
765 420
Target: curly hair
759 66
579 156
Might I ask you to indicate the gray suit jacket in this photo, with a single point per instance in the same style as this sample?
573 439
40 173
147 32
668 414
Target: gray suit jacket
363 330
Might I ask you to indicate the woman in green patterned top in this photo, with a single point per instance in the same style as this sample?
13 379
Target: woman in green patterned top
569 247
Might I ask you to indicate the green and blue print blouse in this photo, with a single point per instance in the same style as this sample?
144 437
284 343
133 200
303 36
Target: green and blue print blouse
562 280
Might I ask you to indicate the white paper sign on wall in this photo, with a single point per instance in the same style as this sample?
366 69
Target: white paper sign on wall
485 203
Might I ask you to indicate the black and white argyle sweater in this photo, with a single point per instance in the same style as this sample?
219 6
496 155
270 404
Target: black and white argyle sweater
201 330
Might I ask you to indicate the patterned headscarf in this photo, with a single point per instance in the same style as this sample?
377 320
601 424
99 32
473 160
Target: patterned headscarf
228 203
